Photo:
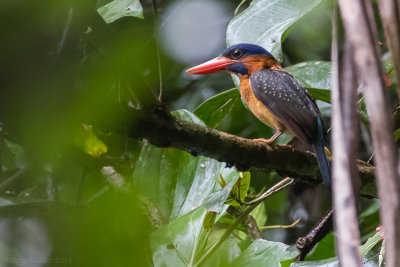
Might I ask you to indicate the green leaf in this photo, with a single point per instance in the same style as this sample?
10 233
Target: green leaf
370 244
18 153
216 200
265 253
213 110
182 241
238 7
155 179
13 157
265 22
324 249
174 182
320 94
332 262
230 249
242 186
209 221
121 8
260 214
397 135
312 74
369 219
315 76
177 243
387 62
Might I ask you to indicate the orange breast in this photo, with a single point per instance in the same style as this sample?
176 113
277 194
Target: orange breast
257 107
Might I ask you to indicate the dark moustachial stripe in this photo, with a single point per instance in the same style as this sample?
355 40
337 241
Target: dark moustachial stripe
238 67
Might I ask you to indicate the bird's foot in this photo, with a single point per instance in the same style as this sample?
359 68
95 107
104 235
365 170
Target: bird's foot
271 140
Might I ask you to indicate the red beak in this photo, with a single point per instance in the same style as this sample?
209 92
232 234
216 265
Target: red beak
214 65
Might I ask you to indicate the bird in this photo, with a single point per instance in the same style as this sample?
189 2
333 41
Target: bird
274 96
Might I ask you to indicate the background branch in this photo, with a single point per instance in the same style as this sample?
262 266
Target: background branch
320 230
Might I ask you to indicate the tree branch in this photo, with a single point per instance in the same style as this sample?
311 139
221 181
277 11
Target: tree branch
344 138
320 230
162 129
359 21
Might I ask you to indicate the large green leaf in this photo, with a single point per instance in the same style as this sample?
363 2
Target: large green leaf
174 182
265 22
176 244
121 8
265 253
229 250
213 110
312 74
182 242
183 188
315 76
155 178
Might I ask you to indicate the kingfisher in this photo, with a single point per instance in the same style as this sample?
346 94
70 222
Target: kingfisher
273 96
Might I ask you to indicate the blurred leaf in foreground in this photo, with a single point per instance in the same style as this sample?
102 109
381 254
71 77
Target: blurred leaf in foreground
90 143
12 156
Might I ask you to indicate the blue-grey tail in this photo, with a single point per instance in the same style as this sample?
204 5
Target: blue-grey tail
323 163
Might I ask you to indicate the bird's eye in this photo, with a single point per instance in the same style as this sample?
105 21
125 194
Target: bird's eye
236 53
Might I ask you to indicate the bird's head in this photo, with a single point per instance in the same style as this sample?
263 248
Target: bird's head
241 59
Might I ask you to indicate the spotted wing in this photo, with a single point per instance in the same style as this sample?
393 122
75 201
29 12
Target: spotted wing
288 101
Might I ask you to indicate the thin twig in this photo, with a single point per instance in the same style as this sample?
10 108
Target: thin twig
50 188
12 178
278 187
320 230
155 11
281 226
65 32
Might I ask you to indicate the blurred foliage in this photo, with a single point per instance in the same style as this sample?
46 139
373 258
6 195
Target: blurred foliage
121 8
76 190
